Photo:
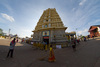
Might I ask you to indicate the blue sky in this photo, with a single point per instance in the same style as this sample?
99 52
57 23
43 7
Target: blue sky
21 16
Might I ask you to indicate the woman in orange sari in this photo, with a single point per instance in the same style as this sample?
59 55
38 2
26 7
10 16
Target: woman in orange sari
51 55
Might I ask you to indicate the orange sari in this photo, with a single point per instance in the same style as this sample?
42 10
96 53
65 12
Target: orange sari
51 55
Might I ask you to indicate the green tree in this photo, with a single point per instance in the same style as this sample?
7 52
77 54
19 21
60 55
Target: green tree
1 29
1 32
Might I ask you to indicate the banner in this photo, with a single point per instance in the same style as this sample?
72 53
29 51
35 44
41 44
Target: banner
45 33
58 46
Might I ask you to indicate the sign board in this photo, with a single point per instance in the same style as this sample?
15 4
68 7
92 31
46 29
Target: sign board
58 46
31 42
46 37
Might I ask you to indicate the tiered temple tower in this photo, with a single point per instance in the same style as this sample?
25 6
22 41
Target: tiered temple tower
50 28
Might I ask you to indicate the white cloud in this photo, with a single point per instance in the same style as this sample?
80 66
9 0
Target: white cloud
84 32
82 2
10 18
98 20
25 32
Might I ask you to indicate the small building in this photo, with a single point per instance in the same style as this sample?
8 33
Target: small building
94 31
50 28
70 35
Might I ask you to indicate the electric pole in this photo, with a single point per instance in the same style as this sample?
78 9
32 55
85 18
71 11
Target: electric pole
9 32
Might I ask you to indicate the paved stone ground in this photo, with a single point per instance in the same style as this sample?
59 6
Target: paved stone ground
87 55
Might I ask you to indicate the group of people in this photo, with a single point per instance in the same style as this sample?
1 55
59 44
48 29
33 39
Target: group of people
73 42
12 45
13 42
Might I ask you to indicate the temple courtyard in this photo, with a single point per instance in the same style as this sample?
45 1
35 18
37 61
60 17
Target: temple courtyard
87 54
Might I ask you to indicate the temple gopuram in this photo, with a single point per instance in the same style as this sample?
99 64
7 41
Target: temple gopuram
50 29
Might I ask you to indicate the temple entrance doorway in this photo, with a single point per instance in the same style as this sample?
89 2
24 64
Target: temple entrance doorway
46 39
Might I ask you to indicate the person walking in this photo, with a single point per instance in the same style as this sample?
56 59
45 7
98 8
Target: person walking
44 45
22 41
88 37
51 55
85 39
11 48
78 41
93 36
17 40
74 45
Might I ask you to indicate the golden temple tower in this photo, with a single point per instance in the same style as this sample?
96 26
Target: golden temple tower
50 28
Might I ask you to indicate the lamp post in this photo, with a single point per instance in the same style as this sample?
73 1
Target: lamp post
76 33
9 32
